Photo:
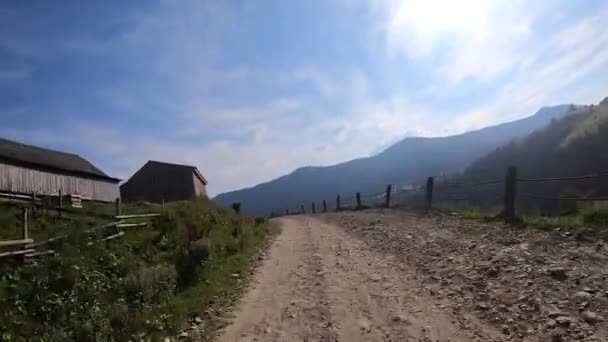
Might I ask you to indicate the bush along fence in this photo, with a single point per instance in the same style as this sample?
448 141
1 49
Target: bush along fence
507 193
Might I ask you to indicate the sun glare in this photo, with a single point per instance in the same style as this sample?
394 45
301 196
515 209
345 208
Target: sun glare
443 16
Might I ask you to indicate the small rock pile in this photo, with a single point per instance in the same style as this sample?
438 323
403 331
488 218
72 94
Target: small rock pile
531 285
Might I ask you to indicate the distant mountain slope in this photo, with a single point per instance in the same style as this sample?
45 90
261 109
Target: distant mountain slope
409 160
573 145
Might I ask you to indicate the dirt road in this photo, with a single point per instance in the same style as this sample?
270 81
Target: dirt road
320 283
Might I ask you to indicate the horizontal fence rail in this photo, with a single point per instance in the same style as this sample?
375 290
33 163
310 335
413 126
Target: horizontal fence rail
499 181
27 247
568 198
555 179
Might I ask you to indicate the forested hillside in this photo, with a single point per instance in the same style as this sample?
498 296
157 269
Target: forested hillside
408 161
574 145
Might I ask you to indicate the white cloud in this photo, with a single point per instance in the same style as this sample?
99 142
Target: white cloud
279 141
573 54
463 40
232 120
321 81
419 27
14 74
239 141
120 99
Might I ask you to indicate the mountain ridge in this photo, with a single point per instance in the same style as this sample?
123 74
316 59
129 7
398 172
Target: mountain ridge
409 160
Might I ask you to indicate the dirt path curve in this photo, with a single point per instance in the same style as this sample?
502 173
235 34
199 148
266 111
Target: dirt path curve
321 284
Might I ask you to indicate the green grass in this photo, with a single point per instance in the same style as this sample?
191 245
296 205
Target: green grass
471 211
589 222
217 280
144 285
542 222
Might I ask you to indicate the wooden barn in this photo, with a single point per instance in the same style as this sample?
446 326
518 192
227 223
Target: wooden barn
26 169
159 182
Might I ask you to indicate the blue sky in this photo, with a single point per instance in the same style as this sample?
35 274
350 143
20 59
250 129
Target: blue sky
250 90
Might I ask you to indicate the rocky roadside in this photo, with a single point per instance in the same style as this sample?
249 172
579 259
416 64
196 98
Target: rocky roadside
531 285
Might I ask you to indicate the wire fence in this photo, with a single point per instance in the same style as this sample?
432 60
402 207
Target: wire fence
496 193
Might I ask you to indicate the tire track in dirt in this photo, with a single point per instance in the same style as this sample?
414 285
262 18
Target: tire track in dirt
319 283
373 298
287 299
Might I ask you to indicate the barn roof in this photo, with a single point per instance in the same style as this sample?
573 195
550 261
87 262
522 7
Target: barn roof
190 167
33 156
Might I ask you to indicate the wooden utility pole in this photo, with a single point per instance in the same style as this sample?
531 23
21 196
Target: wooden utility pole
429 193
510 193
358 200
389 188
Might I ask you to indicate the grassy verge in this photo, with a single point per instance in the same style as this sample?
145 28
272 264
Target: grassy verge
589 222
221 280
472 212
144 285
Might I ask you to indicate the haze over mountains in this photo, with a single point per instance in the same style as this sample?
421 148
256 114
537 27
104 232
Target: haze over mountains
408 161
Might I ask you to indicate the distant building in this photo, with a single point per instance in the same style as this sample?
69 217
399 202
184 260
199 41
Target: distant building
158 182
26 169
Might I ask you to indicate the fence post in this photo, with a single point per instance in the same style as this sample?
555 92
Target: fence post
313 208
338 203
510 193
303 211
25 224
60 199
358 200
429 193
389 188
118 207
324 206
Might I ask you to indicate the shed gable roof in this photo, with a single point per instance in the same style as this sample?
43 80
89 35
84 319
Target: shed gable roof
30 155
154 163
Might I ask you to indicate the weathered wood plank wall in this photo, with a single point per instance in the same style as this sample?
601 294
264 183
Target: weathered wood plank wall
23 180
199 188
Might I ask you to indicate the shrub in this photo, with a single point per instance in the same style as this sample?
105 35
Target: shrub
190 260
148 285
133 288
236 231
236 206
200 251
260 220
597 217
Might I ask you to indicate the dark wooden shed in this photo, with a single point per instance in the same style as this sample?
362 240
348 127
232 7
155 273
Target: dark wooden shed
157 182
27 169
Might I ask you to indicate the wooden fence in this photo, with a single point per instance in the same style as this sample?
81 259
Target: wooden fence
510 193
27 247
